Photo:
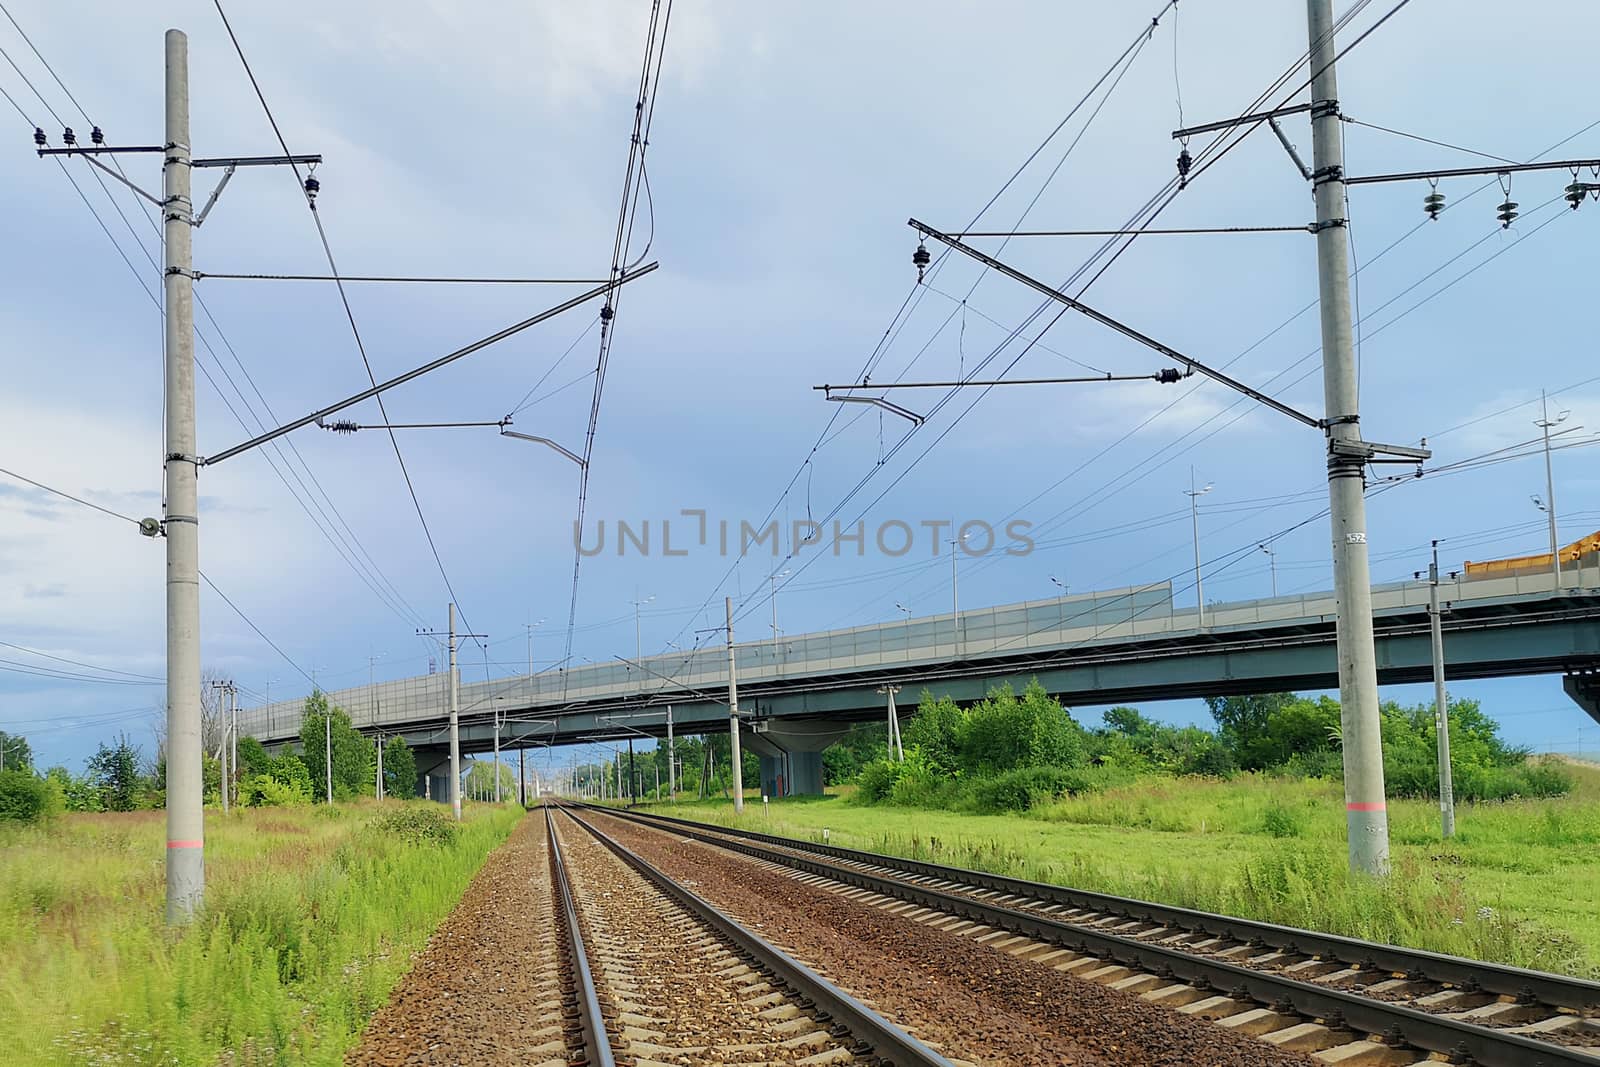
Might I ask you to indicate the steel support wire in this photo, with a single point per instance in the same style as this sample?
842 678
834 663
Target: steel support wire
596 1043
889 1044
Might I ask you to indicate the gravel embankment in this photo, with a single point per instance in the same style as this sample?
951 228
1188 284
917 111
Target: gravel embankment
488 987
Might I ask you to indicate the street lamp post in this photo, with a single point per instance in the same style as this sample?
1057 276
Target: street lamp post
773 597
1061 605
1545 423
955 603
1272 565
638 643
1194 521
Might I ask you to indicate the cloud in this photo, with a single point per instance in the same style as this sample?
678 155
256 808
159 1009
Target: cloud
43 592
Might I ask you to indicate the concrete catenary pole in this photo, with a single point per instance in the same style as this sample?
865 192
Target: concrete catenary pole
497 757
672 759
233 732
1441 703
222 748
733 715
1550 486
327 740
1366 816
522 777
377 779
186 876
455 725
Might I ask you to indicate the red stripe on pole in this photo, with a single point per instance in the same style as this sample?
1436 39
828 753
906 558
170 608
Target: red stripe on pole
185 844
1363 805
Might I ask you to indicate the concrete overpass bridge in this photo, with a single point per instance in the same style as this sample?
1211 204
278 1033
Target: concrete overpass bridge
798 694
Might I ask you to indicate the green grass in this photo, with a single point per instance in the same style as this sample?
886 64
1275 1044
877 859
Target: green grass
311 917
1515 885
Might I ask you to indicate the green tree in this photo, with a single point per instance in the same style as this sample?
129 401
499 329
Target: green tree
253 758
399 769
77 794
114 772
352 756
1005 732
289 769
481 775
24 796
15 754
937 730
1267 729
843 760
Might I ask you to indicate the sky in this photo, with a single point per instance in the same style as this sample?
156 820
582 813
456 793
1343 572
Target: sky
789 146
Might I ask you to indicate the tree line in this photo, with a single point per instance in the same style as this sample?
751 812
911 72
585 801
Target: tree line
120 776
1010 752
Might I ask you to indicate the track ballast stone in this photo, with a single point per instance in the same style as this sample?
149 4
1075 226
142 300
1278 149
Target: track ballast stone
488 988
971 998
673 992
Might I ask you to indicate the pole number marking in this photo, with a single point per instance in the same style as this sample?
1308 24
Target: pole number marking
1355 538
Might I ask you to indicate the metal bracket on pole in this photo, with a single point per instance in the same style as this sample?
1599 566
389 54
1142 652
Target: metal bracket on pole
255 161
1120 327
544 441
1466 172
1376 452
223 184
95 162
1242 120
451 357
1294 153
877 402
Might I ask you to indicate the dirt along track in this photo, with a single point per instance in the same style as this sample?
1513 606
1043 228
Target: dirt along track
488 988
974 1001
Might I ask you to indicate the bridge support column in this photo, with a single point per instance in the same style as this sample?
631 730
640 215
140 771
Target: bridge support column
791 755
1584 688
433 773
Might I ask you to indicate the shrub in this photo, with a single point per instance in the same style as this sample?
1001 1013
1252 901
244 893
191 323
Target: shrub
1027 787
877 780
264 791
1321 763
23 797
918 784
418 824
1280 820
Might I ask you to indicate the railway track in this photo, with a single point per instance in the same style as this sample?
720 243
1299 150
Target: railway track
658 975
1343 1000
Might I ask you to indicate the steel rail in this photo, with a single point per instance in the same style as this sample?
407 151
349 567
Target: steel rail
1397 1023
1560 991
890 1045
596 1042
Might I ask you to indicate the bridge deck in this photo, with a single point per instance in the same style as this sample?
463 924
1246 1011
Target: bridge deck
1083 647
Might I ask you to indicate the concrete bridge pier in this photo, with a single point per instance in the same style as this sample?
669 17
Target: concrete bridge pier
791 754
1583 686
433 773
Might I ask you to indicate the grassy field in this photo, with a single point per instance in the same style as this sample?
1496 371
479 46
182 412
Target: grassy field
312 916
1516 884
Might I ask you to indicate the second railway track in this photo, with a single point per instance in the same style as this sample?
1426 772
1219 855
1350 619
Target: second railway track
1345 1000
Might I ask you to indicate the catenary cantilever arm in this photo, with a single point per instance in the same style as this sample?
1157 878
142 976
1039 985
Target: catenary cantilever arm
1120 327
548 313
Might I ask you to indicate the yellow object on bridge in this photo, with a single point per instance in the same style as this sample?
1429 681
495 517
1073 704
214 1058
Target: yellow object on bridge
1578 551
